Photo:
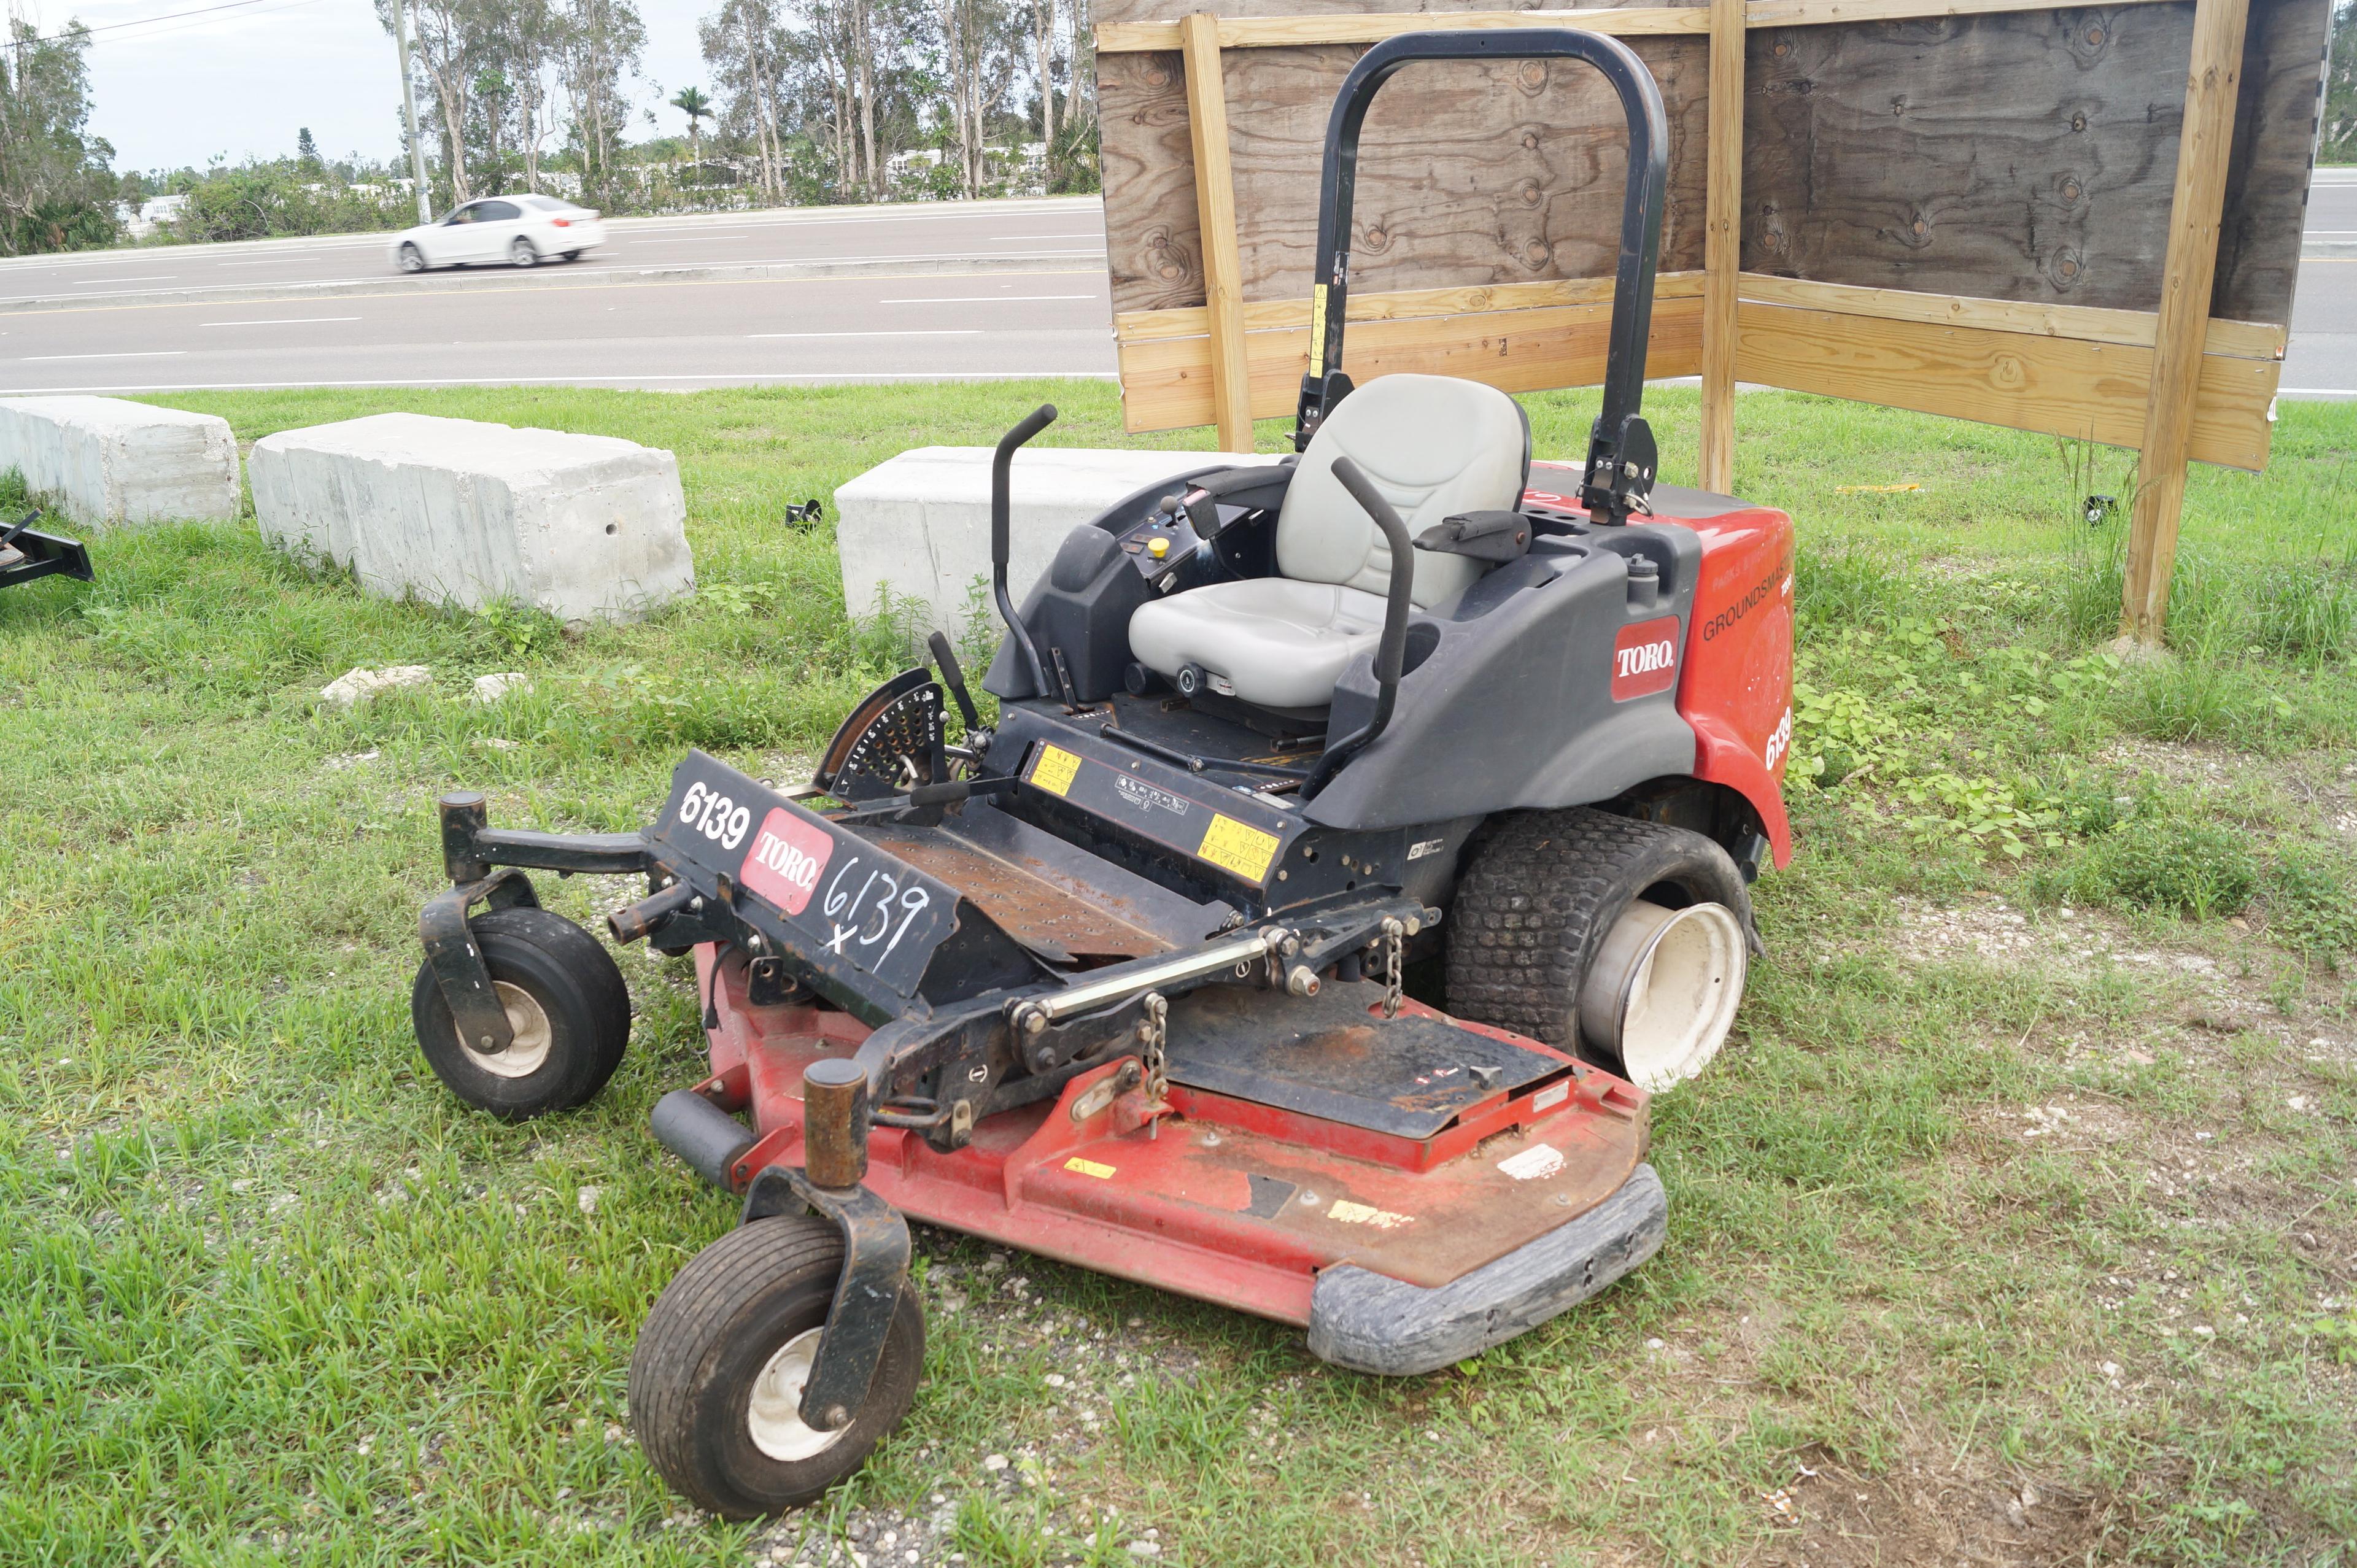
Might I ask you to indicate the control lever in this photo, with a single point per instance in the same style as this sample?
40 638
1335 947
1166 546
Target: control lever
1001 509
955 679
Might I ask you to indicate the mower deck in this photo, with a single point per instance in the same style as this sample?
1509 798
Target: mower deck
1346 1139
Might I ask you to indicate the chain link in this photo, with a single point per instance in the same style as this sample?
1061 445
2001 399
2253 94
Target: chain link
1394 935
1153 1032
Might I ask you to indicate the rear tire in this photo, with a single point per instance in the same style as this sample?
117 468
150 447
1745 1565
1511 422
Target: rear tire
571 255
716 1373
1545 890
565 1003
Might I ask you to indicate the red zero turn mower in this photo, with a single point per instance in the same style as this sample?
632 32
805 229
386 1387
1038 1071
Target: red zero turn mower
1120 980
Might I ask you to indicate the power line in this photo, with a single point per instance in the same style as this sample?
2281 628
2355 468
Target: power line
142 22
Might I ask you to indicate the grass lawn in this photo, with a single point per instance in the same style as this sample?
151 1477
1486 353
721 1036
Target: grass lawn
2017 1225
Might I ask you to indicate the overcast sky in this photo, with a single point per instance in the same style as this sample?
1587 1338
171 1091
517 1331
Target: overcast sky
243 82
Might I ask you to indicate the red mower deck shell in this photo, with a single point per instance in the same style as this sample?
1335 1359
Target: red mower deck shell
1228 1201
1735 688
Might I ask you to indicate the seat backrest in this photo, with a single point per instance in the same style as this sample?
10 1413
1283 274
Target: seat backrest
1436 447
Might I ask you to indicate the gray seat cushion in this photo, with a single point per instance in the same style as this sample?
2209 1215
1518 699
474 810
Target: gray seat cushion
1276 642
1436 447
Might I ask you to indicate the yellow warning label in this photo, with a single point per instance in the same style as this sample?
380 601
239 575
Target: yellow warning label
1055 769
1089 1168
1246 850
1351 1213
1318 329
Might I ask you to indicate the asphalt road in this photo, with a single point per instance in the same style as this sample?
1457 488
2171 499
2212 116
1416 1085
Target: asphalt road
984 289
2322 359
990 289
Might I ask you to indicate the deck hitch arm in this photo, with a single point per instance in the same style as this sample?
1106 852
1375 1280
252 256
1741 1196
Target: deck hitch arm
876 1247
486 866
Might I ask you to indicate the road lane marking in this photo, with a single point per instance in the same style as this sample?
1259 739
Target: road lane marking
917 332
1020 239
641 271
750 378
134 277
692 238
279 321
624 279
133 354
985 298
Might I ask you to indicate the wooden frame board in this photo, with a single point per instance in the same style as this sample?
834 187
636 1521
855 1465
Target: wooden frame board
2083 221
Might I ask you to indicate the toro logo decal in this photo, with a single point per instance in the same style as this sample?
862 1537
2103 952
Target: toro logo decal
787 856
1646 658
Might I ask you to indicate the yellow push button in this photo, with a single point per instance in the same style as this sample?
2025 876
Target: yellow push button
1157 548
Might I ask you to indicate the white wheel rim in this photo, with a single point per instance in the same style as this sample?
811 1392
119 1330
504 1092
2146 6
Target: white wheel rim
774 1415
528 1023
410 262
1664 990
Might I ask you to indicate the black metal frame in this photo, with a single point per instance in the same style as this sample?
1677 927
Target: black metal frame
1622 457
876 1250
486 866
42 555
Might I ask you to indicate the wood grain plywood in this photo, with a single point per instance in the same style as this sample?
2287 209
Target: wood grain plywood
1166 381
2058 385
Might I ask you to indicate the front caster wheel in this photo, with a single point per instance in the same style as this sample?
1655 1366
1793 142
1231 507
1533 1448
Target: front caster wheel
567 1005
716 1379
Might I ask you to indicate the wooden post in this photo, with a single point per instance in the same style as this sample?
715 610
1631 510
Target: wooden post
2213 76
1215 208
1722 246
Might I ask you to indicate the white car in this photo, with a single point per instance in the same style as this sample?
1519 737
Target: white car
522 230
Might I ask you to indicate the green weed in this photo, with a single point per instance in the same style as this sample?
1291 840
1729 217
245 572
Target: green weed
2179 864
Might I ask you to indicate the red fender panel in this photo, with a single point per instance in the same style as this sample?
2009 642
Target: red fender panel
1736 688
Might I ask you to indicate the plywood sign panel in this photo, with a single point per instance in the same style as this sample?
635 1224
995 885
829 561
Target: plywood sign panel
2028 156
1469 174
2019 156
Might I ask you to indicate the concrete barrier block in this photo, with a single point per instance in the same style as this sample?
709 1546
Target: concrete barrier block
918 526
107 462
458 510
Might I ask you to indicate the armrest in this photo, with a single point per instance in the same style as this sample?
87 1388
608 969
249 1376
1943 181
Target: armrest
1480 535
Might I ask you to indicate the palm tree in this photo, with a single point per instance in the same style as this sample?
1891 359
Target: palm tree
693 103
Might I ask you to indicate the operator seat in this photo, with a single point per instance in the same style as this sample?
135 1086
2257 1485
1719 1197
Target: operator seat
1435 447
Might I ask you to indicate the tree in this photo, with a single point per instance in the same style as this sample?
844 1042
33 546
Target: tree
691 103
2338 141
56 190
306 151
601 40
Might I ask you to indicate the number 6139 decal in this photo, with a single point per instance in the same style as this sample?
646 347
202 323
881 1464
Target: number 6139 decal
714 815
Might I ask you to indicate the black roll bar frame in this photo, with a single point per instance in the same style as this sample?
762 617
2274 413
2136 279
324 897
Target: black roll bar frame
1621 456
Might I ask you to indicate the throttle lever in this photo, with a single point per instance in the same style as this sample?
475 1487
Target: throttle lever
954 678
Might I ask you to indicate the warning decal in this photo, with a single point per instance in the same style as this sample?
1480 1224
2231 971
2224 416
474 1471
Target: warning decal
1055 769
1535 1164
1089 1168
1351 1213
1318 329
1232 846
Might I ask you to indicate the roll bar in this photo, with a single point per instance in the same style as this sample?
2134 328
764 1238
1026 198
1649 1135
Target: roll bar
1622 457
